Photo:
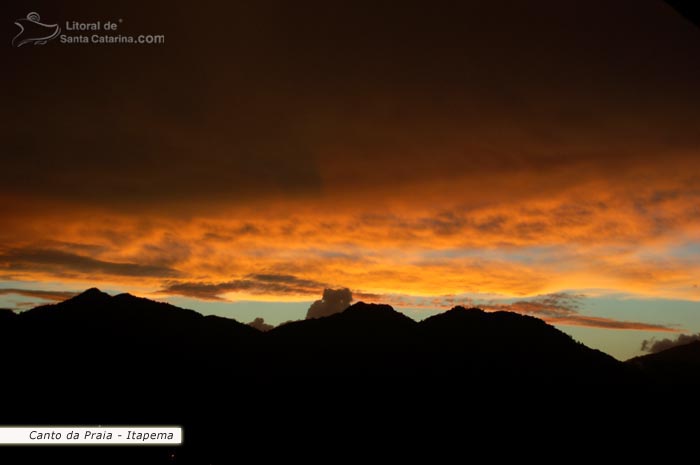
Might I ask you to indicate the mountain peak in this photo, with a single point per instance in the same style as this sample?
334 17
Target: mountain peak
363 311
362 306
461 309
93 291
458 313
91 295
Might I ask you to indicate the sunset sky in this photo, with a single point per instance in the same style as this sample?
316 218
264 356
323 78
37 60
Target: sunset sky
535 156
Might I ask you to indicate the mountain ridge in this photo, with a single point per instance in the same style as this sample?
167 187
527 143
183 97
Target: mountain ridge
76 362
363 340
96 304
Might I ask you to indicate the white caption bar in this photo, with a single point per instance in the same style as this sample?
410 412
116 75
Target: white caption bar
91 435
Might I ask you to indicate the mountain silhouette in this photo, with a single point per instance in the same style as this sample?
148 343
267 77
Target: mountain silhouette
363 340
101 359
483 348
97 315
505 347
360 325
678 366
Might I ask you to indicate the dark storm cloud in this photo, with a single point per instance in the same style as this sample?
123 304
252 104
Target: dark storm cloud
298 98
268 284
653 345
40 294
177 123
333 301
63 263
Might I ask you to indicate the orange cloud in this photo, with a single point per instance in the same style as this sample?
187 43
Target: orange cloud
606 240
55 296
624 236
609 323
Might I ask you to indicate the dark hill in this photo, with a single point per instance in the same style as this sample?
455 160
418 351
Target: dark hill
678 366
483 349
365 339
505 347
94 305
123 324
360 324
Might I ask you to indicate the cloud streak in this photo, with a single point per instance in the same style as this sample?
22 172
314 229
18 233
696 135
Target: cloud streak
608 323
558 308
565 309
256 284
64 264
56 296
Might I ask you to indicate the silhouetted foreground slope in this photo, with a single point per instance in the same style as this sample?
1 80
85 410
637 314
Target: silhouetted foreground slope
96 359
677 367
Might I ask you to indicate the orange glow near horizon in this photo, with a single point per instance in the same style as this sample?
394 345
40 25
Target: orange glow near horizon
579 239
